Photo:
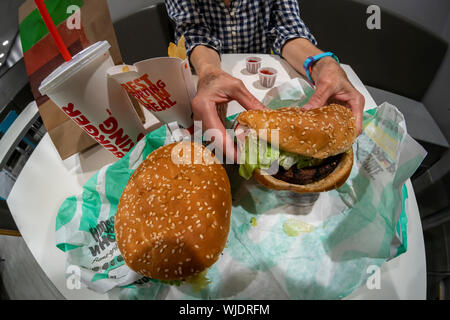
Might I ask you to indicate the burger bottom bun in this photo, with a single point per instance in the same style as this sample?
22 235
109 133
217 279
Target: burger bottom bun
333 181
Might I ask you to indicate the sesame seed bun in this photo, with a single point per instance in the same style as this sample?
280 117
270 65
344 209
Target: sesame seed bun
318 133
173 217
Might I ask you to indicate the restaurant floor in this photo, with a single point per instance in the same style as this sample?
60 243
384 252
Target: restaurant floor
20 275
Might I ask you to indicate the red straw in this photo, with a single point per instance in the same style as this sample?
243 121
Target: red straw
52 29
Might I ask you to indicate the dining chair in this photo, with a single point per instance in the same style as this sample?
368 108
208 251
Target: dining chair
398 64
145 34
14 128
341 26
7 225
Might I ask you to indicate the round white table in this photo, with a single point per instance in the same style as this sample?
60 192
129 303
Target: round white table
46 181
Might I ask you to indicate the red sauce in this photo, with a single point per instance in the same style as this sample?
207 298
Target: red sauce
252 60
266 72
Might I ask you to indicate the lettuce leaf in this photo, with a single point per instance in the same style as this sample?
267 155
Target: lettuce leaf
252 158
262 156
287 159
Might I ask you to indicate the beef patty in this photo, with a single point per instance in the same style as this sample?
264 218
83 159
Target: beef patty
308 175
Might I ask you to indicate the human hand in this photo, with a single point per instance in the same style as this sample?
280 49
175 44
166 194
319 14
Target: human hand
216 88
332 85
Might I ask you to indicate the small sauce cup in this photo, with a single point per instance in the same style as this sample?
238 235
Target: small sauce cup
253 64
267 76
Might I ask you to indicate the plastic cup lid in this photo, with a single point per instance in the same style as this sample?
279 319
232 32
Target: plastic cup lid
69 68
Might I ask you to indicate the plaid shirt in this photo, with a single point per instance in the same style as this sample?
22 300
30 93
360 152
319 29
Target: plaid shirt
248 26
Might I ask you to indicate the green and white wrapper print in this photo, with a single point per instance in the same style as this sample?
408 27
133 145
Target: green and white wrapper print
275 250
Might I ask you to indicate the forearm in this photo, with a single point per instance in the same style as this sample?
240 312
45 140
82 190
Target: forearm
296 51
204 59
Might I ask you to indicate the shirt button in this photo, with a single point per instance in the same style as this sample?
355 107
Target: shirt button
232 13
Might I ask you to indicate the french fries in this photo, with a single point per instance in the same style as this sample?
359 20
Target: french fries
178 50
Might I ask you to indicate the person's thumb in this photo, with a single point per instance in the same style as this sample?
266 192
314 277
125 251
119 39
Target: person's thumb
319 98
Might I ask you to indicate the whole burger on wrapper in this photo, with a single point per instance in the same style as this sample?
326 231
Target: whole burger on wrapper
173 217
314 151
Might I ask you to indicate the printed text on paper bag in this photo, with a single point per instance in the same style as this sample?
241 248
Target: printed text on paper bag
119 143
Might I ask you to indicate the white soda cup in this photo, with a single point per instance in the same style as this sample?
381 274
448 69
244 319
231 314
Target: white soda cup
164 86
81 89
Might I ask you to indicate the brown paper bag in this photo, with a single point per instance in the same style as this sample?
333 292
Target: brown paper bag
78 29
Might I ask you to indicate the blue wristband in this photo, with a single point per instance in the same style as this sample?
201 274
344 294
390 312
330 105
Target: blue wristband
309 62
